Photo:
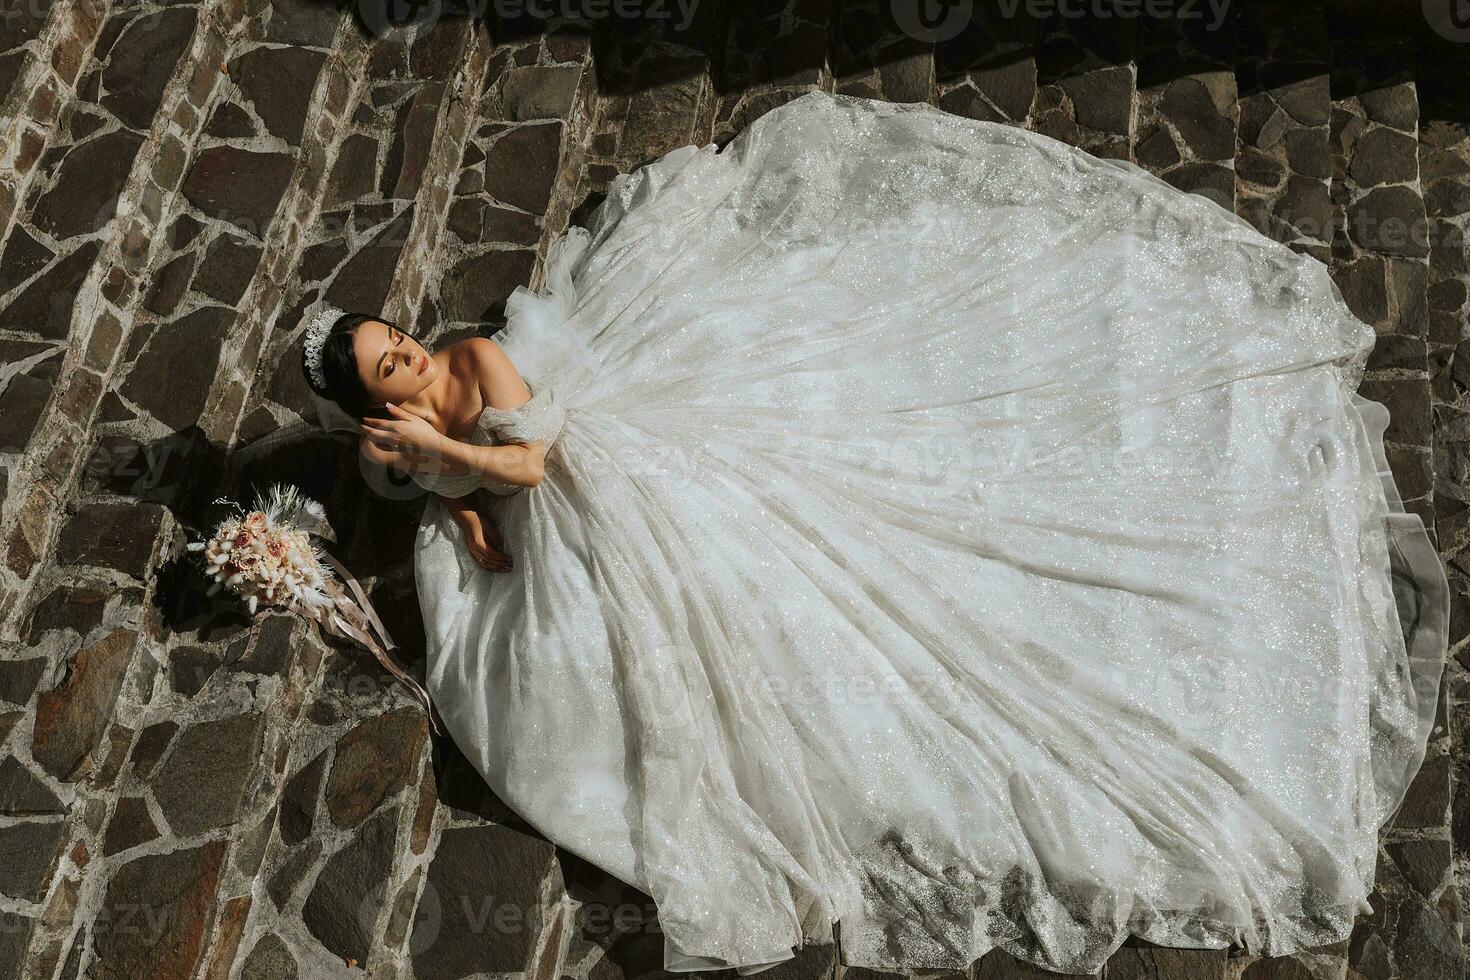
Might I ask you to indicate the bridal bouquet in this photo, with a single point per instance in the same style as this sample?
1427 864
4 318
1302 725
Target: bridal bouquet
268 558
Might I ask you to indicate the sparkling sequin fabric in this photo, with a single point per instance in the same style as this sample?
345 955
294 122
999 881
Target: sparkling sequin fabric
951 534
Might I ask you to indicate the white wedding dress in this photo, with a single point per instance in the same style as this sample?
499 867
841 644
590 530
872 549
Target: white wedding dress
950 533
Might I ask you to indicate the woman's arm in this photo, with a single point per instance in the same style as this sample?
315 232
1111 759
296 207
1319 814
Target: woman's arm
481 536
404 436
522 464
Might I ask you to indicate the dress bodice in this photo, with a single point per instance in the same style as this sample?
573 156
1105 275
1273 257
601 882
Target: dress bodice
540 419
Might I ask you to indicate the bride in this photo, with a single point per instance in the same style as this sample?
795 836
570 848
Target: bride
921 523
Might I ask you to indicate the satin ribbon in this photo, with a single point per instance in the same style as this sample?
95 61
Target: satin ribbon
365 609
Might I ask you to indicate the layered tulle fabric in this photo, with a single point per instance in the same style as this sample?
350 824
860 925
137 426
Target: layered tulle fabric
949 533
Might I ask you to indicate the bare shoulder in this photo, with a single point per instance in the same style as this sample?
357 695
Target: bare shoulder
484 360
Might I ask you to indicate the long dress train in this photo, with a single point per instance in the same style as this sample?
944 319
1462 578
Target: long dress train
950 533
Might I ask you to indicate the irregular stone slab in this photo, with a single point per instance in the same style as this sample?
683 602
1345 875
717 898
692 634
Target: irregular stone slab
243 187
271 959
71 717
227 269
374 761
279 82
130 826
171 283
521 165
22 402
151 745
112 535
76 608
15 935
1426 947
1389 220
476 288
28 856
540 92
413 139
203 782
142 61
362 283
18 679
341 911
84 196
299 800
355 172
45 306
23 257
282 885
155 917
1425 863
471 865
229 121
22 793
172 376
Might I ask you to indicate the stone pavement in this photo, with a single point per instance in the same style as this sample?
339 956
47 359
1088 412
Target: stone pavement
187 793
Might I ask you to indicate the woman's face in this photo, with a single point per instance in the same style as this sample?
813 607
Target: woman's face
394 367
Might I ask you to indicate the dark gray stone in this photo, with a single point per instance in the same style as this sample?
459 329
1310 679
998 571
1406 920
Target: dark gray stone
342 908
271 959
23 257
28 855
476 288
1426 947
1103 99
151 745
1425 864
540 92
18 679
521 166
1396 106
23 401
171 283
142 63
374 761
172 377
1383 156
112 535
465 864
131 825
413 141
363 282
229 121
243 187
15 935
227 269
286 879
84 197
1389 220
154 919
203 782
354 174
22 793
1187 103
299 800
279 82
45 306
72 717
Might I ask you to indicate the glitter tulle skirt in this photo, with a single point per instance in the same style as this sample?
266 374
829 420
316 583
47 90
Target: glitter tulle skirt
954 535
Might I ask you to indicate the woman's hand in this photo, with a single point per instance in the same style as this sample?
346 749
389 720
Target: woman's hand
403 433
485 546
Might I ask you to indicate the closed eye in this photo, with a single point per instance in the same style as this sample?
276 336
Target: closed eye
389 370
